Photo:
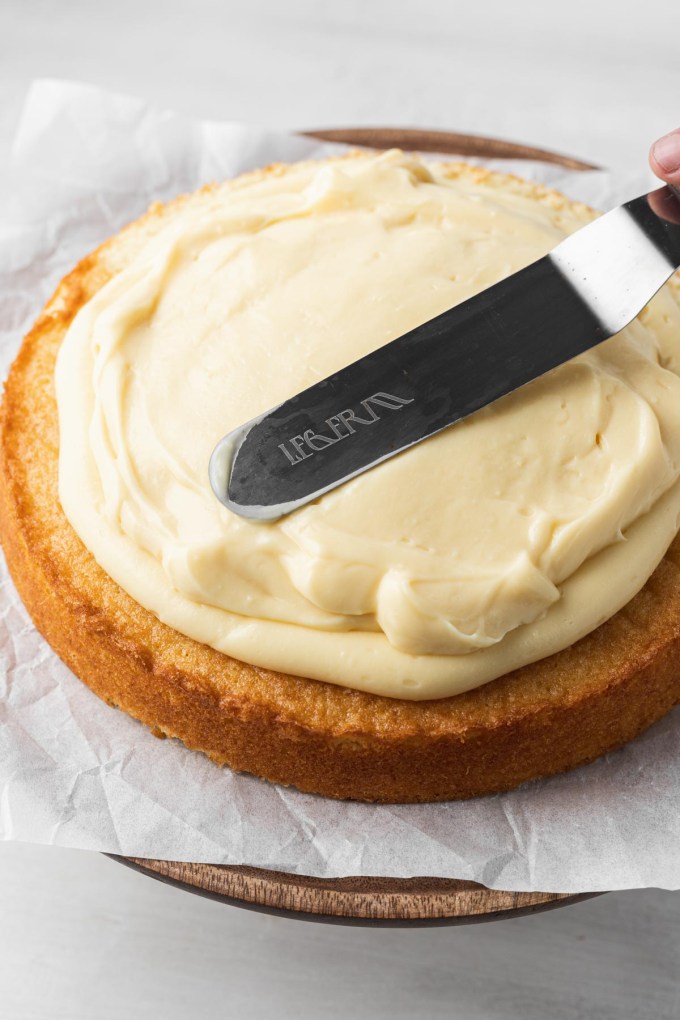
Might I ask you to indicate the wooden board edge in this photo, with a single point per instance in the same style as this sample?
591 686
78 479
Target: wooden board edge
446 142
354 900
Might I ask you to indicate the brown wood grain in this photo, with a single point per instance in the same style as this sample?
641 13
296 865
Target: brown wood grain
423 140
364 900
355 900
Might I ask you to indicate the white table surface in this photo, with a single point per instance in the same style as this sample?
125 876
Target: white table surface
82 937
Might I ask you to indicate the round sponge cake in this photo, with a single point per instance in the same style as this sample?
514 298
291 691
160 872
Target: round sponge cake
546 717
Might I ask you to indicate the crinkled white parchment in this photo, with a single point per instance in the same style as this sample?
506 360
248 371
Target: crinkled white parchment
77 773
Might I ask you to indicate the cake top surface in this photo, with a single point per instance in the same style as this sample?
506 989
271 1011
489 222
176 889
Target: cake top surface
492 544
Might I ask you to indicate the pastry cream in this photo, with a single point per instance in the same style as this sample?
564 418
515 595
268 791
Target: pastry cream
497 542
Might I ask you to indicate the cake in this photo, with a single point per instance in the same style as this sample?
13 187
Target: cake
497 604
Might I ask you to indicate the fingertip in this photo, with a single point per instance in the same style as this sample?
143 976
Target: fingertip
664 157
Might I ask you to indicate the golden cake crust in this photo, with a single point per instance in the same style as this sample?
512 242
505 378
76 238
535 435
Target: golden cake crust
545 718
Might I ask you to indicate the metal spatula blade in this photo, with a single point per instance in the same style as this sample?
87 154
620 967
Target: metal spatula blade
586 290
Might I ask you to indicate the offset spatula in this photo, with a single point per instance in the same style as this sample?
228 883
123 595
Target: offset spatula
586 290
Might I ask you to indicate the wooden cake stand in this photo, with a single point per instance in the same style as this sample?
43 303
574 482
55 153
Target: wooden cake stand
407 902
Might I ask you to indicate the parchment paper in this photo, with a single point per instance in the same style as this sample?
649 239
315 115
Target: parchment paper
77 773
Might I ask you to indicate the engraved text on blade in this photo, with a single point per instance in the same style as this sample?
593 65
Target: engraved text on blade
341 426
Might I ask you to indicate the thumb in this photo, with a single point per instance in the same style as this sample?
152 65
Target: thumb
664 158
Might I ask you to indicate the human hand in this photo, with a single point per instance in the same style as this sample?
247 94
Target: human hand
664 158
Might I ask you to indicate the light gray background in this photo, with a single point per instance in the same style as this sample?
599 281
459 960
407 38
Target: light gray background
81 937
